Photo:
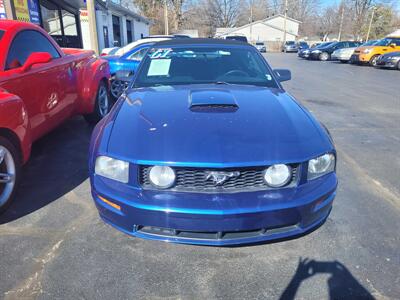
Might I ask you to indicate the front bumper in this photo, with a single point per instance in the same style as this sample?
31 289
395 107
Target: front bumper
387 63
360 58
215 219
341 57
314 56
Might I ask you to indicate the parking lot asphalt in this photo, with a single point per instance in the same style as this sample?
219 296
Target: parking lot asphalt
53 244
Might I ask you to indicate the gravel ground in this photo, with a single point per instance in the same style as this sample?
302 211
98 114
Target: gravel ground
53 245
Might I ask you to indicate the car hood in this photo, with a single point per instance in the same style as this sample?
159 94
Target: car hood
111 57
362 48
214 125
392 54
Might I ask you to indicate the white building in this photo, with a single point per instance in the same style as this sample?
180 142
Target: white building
116 25
270 29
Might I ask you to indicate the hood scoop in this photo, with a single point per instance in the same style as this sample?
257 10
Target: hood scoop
212 101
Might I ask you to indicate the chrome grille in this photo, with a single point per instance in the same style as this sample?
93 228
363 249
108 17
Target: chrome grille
195 180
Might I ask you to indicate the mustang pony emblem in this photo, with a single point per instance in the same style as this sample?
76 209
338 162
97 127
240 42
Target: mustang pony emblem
220 177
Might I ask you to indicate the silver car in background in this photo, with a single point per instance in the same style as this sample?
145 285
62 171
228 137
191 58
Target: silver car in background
343 55
290 46
260 46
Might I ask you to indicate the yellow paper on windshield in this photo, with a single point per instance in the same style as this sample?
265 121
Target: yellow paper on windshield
159 67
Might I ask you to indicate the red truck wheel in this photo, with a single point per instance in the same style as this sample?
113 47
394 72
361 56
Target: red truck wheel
102 105
10 168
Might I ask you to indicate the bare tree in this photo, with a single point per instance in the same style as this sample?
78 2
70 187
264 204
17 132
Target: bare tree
178 16
328 22
223 13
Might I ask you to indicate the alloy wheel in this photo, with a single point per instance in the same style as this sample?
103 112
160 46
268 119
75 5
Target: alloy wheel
117 87
103 101
7 174
324 56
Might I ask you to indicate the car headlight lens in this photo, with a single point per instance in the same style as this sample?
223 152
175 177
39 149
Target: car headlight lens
277 175
162 176
321 165
366 51
112 168
316 51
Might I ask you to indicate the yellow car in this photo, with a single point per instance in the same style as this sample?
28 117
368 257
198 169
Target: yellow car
369 54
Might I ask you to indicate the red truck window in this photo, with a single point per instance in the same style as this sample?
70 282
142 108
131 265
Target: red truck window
25 43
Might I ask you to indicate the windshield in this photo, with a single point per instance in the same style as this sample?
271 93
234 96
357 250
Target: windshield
387 42
203 65
260 44
129 47
290 43
324 44
370 43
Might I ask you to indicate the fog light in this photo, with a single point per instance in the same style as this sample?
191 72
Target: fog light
277 175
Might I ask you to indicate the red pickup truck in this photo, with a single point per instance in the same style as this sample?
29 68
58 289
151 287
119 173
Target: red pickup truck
41 85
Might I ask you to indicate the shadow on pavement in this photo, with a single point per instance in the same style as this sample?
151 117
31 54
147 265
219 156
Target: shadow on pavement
57 165
341 283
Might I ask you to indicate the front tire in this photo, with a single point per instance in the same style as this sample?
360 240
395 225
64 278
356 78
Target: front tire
324 56
10 169
102 104
373 60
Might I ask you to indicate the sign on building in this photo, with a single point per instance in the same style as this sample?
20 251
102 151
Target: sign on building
27 10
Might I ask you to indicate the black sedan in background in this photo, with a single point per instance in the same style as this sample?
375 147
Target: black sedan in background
324 53
389 60
305 53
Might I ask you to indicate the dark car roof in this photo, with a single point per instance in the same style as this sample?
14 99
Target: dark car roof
200 41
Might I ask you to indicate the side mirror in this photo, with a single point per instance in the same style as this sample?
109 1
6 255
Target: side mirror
36 58
393 45
283 74
124 75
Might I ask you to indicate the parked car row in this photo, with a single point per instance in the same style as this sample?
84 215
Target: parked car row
378 53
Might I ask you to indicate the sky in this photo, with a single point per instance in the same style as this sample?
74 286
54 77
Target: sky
330 2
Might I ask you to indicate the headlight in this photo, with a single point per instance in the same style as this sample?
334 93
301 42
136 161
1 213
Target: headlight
277 175
162 176
112 168
366 51
321 165
315 51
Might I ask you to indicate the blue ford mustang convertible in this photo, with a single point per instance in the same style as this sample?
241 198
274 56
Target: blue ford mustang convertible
206 147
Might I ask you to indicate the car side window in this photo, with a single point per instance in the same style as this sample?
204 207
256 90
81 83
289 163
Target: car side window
138 55
24 44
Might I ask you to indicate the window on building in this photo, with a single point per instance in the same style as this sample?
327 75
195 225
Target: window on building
129 31
117 31
69 23
61 24
19 52
50 18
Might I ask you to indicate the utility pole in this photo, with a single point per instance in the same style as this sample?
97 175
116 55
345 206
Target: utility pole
8 7
370 23
284 22
90 6
251 20
341 23
166 30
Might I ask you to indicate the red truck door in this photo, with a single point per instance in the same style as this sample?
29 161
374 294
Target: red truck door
45 88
